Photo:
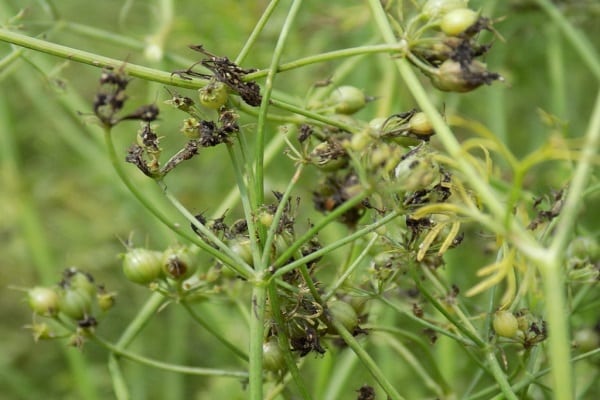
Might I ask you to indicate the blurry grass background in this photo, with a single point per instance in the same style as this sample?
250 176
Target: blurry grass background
61 204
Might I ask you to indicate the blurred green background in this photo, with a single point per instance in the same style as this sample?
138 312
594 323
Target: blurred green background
62 205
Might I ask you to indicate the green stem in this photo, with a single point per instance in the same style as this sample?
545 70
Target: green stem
257 330
97 60
258 28
182 369
282 206
442 309
578 40
266 96
568 215
248 210
499 375
414 363
132 330
355 264
329 248
210 329
367 361
318 227
314 116
284 340
330 56
239 265
552 270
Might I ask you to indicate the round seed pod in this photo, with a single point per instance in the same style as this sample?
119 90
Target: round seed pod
214 95
343 313
142 266
457 21
43 301
348 99
75 303
420 125
178 263
273 355
505 324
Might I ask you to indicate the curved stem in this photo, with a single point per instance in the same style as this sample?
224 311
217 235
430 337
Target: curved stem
97 60
367 361
268 88
166 366
209 328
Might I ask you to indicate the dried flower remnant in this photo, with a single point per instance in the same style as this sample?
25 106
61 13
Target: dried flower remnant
227 72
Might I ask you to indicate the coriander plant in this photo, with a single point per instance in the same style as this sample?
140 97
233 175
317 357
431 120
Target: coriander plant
302 200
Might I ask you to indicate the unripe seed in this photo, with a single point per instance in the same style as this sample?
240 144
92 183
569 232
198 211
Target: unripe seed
505 324
273 355
43 301
142 265
242 247
178 263
344 314
348 99
451 77
84 282
457 21
75 303
586 339
106 300
213 95
420 125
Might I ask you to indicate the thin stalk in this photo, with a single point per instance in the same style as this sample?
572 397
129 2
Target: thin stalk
239 265
414 363
500 376
257 330
355 264
319 226
330 56
132 330
332 246
98 61
529 379
459 339
248 210
283 340
567 218
182 369
313 116
578 40
440 307
367 361
279 212
266 96
258 28
210 329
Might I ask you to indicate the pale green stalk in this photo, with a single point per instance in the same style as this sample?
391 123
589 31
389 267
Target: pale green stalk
367 361
355 264
97 60
258 28
578 40
182 369
266 96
